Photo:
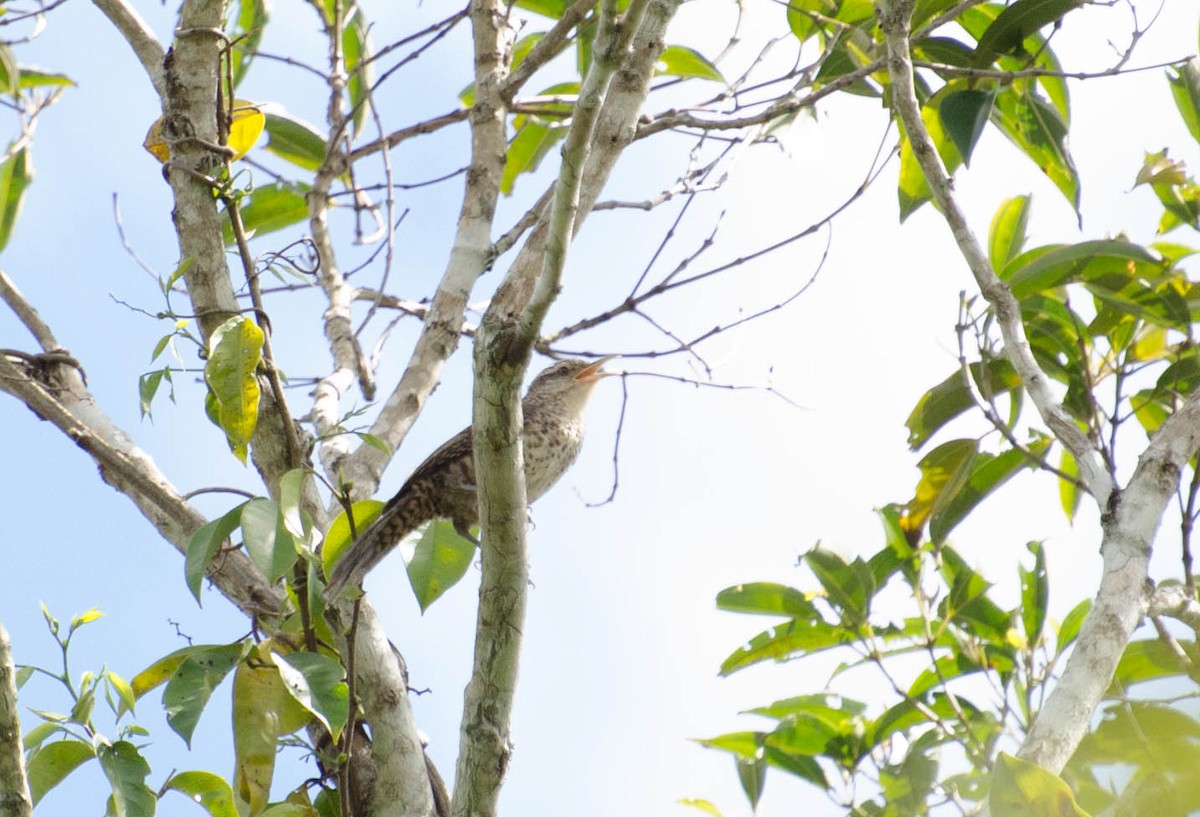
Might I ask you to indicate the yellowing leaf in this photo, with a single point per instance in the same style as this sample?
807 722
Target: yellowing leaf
246 125
234 354
337 538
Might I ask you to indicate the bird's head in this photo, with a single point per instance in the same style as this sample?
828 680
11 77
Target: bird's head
569 380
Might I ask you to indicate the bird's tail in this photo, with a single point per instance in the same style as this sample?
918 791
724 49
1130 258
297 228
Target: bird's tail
395 522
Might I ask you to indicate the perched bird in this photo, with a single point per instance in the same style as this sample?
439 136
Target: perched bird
443 486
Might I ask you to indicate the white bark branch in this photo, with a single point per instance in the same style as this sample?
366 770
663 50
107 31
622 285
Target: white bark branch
15 800
69 406
1130 523
470 255
1175 602
402 788
601 127
349 363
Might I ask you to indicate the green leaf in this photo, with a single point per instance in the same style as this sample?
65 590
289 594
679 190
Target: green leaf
9 72
1035 595
681 61
267 541
291 498
913 187
907 786
951 398
317 683
440 559
50 765
1145 661
234 355
123 689
1023 789
943 50
964 115
944 670
1069 629
39 734
212 792
752 774
191 686
16 174
270 208
1007 234
969 604
245 34
786 641
37 78
338 538
1022 19
356 46
148 387
849 587
528 147
547 8
765 598
1039 130
1048 267
295 141
1185 89
290 810
849 54
804 16
203 546
1069 493
126 771
987 473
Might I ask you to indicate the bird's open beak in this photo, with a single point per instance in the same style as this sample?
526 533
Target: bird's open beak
593 373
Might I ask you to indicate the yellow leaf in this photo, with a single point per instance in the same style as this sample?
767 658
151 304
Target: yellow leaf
245 128
246 125
154 142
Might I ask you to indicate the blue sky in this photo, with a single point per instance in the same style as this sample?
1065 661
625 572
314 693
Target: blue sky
623 640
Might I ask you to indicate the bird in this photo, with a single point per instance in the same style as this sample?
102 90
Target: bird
443 486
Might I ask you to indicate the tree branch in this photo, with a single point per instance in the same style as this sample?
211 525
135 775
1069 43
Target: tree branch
470 256
68 405
15 800
402 788
1130 517
602 126
894 17
1130 523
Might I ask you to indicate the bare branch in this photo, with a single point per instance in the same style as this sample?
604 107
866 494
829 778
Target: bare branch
420 129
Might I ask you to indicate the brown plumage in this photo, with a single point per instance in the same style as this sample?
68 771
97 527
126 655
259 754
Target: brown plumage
443 486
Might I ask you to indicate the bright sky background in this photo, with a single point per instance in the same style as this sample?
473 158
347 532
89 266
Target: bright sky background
623 640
